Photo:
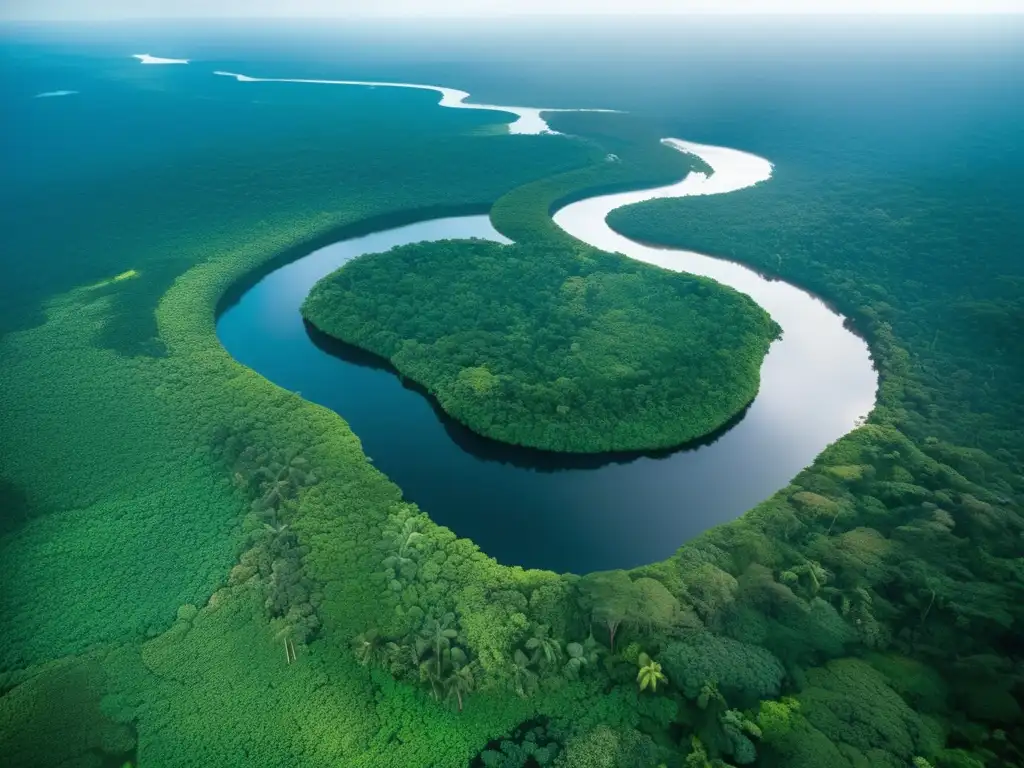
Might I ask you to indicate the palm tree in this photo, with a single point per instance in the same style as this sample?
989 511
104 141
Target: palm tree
402 659
287 635
291 470
459 682
402 543
439 634
274 492
816 574
397 656
275 528
546 650
369 647
430 675
408 536
524 679
650 673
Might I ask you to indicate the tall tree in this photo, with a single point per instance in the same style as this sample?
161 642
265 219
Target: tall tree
610 598
460 682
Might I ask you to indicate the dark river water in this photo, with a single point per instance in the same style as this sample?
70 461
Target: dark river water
556 511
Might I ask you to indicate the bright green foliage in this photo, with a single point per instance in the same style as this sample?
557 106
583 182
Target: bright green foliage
136 442
650 673
910 527
552 347
776 718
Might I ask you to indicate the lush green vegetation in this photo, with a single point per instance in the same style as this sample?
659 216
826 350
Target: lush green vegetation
122 518
538 345
960 373
549 343
923 504
203 569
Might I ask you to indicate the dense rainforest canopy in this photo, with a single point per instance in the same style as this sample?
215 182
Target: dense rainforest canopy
542 346
201 569
958 317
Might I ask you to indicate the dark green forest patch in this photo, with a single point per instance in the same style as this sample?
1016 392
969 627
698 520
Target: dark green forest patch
542 346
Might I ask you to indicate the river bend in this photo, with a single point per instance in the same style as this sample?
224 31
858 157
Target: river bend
569 512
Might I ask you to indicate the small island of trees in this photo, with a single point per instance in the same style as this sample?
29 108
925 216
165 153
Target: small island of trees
553 347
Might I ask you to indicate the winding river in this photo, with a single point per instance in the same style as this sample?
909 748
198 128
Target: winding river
568 512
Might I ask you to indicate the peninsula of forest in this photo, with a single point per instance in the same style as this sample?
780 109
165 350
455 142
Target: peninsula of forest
553 347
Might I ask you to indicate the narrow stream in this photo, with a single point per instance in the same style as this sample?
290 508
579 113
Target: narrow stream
566 512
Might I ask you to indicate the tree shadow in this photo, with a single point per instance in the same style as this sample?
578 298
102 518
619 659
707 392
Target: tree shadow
488 449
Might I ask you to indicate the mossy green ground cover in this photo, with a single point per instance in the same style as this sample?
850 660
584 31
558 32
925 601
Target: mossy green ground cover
171 554
543 346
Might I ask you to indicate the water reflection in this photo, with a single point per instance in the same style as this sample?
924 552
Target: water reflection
570 513
487 449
